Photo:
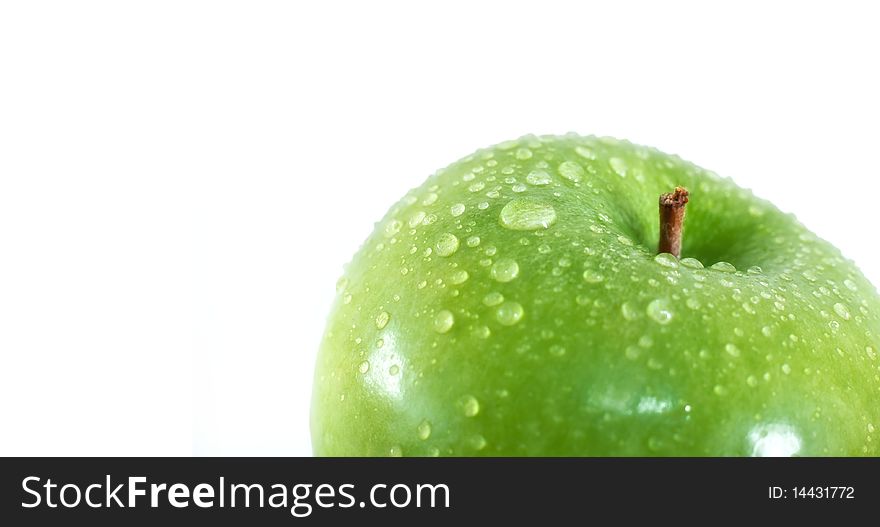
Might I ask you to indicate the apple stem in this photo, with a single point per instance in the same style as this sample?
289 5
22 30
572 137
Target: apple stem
671 221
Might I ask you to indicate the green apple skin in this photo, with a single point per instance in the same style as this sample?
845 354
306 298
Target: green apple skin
591 344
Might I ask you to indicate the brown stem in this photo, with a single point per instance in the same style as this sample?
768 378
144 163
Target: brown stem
671 221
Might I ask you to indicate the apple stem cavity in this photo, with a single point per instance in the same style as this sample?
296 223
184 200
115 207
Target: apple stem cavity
671 221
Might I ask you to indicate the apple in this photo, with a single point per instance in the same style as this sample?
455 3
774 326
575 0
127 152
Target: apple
516 304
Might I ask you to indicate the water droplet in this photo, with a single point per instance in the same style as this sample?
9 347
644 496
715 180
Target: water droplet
424 429
493 299
585 152
646 341
571 171
719 390
724 267
810 275
732 350
556 350
592 277
842 311
482 332
692 303
395 451
628 311
519 187
766 331
660 311
505 270
667 260
447 244
470 405
527 214
538 178
619 166
364 367
473 241
544 248
850 285
754 270
478 442
457 209
443 321
416 218
490 250
394 369
393 228
632 352
459 277
476 187
509 313
382 319
693 263
582 300
786 369
346 299
523 154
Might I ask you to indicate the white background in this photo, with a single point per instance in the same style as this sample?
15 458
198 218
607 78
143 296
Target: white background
181 182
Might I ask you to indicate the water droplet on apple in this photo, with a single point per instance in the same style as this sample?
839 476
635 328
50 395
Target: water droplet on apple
538 178
482 332
660 311
519 187
628 311
416 218
527 214
667 260
424 429
719 390
443 321
841 311
393 228
447 244
692 303
752 381
571 171
478 442
395 451
850 285
693 263
459 277
724 267
619 166
476 187
632 352
592 277
364 366
346 298
505 270
382 320
585 152
523 153
493 299
457 209
810 275
509 313
556 350
732 349
786 369
394 369
473 241
470 405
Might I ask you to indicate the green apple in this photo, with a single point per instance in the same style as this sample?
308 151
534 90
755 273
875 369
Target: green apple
515 305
